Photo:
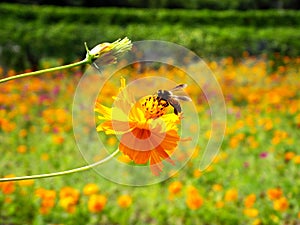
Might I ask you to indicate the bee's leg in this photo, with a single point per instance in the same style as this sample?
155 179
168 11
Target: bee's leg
175 111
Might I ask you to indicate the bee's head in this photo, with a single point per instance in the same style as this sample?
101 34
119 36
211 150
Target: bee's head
159 92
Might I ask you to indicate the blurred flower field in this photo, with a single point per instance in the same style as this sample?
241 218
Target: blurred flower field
255 179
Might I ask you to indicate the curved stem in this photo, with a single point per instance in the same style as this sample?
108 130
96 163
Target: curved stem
55 174
82 62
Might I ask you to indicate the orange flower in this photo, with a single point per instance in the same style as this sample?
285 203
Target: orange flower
281 204
249 200
68 204
191 190
90 189
58 139
274 193
231 195
217 187
47 199
124 201
69 192
197 173
8 187
289 155
194 201
175 187
148 133
22 149
219 204
96 203
68 199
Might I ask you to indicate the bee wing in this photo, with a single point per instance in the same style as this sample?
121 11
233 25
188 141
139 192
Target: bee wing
179 87
182 98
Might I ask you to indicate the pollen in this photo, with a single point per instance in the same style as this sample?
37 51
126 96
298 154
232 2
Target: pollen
153 106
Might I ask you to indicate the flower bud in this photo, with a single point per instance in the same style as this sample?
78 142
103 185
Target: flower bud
108 53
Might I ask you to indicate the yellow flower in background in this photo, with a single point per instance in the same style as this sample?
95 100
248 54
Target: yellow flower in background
297 159
256 222
148 134
251 212
90 189
96 203
124 201
26 183
68 204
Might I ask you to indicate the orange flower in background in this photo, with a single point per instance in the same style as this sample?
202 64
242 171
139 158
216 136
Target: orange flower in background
68 199
48 198
194 200
217 187
175 187
281 204
250 200
220 204
274 193
289 156
231 195
22 149
124 201
197 173
96 203
148 133
90 189
9 186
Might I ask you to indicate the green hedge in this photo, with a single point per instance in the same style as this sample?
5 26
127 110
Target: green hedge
121 16
28 34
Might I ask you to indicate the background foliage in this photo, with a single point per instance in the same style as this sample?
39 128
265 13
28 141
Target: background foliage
26 29
187 4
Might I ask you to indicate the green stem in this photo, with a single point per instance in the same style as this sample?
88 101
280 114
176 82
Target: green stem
80 169
82 62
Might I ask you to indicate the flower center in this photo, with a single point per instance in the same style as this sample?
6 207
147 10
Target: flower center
154 106
141 133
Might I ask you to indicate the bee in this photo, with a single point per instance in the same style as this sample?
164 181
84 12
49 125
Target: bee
166 98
